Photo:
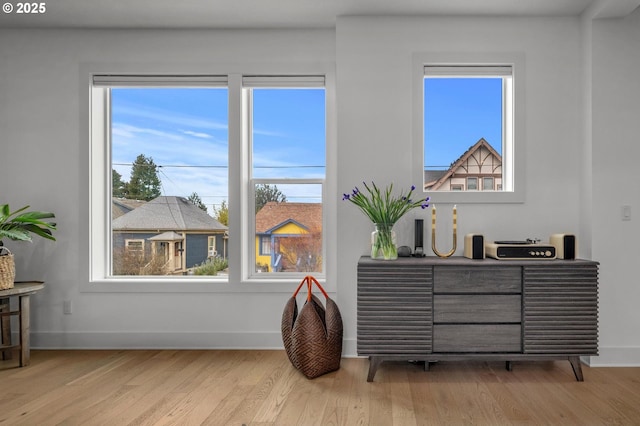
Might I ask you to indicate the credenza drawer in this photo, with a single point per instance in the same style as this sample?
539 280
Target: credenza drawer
477 308
469 338
477 279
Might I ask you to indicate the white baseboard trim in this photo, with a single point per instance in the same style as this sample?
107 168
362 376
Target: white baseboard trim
155 340
616 356
173 340
609 356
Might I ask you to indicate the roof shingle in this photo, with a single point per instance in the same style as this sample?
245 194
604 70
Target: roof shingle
274 214
167 214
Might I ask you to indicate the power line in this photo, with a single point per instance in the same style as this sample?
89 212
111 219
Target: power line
212 166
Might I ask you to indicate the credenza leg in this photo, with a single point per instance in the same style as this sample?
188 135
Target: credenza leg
508 365
374 363
577 367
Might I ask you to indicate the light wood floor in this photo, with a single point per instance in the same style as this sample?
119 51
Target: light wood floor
262 388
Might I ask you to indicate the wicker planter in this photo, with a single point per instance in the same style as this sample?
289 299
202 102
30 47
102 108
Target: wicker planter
7 269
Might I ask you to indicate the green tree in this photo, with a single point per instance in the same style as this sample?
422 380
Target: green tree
222 213
266 193
195 199
117 184
144 183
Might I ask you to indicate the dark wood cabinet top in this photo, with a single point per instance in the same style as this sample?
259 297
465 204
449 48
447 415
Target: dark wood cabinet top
463 261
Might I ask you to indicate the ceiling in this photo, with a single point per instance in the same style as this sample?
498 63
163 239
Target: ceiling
279 13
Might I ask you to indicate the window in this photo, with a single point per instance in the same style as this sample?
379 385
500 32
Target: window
211 246
472 184
135 245
467 130
287 131
167 167
265 245
467 123
162 166
487 184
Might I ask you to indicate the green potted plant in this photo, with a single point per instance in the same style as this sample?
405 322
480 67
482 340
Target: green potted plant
20 225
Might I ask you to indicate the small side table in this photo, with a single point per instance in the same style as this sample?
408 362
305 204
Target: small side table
22 290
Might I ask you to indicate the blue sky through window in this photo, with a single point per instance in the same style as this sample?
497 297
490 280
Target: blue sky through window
185 131
457 113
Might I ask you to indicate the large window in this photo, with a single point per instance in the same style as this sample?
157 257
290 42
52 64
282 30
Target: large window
287 130
171 154
468 125
468 136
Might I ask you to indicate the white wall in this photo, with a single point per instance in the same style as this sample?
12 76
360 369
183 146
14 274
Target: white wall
374 57
616 182
44 162
39 117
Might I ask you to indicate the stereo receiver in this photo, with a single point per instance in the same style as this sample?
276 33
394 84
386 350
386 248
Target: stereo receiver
505 250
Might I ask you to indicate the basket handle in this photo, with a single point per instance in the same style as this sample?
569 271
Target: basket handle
309 280
4 248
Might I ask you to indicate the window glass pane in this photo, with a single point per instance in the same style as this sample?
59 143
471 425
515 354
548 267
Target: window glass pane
169 163
288 134
288 166
487 184
463 130
289 221
472 184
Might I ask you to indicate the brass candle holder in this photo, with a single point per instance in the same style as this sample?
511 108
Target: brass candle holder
433 233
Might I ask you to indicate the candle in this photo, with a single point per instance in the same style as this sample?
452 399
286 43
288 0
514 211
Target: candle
433 217
455 217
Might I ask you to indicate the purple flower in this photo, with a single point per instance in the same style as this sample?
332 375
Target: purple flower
345 197
413 187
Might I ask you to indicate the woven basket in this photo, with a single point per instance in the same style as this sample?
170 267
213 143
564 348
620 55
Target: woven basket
313 337
7 269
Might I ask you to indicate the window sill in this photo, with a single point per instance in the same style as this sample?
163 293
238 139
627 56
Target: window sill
195 285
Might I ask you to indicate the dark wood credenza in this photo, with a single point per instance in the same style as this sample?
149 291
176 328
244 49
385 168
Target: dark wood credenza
431 309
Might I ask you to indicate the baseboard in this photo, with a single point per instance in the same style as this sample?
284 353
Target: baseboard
155 340
609 356
615 356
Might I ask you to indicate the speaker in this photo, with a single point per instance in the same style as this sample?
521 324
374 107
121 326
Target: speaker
474 246
418 250
566 246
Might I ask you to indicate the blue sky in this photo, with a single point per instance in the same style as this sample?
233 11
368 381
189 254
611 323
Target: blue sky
186 132
458 112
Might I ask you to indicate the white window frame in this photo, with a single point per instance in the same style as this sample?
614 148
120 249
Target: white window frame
513 153
97 152
275 82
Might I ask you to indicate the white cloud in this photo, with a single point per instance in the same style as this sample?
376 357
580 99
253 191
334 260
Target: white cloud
197 134
171 117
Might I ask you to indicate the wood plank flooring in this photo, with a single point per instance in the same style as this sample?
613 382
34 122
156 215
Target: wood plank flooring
262 388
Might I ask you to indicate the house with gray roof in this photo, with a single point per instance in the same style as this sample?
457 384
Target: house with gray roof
175 233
